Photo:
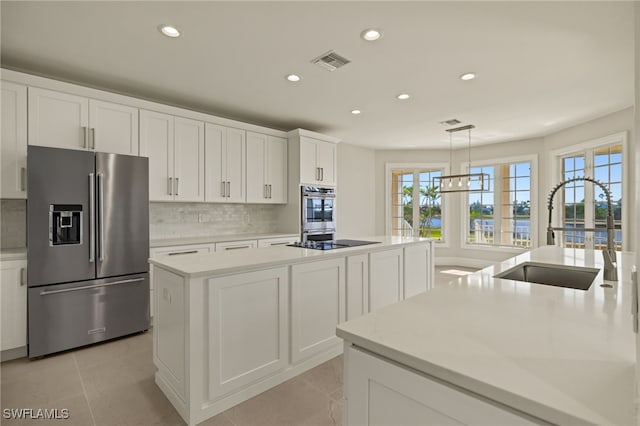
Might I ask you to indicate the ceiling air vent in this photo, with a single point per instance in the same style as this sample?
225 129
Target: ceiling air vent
451 122
330 61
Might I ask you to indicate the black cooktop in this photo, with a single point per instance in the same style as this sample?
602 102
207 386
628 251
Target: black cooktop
331 245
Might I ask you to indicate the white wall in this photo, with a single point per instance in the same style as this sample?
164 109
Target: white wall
604 126
356 192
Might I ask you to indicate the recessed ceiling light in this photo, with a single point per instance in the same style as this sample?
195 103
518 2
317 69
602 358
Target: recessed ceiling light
468 76
403 96
371 34
355 111
169 31
293 78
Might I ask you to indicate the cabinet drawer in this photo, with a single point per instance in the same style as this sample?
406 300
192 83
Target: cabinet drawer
236 245
182 250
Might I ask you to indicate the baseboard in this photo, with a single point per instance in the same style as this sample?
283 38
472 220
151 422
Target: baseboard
464 261
14 353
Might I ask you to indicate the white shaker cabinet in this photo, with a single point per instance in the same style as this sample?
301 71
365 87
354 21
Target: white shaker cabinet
379 392
14 141
13 304
62 120
385 278
317 306
418 267
266 169
236 245
225 159
318 162
175 147
357 285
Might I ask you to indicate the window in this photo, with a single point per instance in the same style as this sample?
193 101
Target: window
585 204
416 206
502 215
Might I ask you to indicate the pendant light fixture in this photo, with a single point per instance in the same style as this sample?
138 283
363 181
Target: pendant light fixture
467 182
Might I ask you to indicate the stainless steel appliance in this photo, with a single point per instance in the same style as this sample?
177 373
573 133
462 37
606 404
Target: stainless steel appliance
318 213
88 247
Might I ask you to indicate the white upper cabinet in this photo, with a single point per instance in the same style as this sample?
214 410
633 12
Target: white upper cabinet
61 120
318 157
266 169
14 141
175 147
225 164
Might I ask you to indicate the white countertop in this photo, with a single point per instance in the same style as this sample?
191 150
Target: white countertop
226 262
13 254
566 356
168 242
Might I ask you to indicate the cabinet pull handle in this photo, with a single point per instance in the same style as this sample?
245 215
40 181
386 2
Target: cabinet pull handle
222 192
317 173
322 174
170 186
177 253
84 136
92 133
264 191
22 276
269 191
228 189
177 184
237 247
23 179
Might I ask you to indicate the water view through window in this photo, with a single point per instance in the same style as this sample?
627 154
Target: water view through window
416 206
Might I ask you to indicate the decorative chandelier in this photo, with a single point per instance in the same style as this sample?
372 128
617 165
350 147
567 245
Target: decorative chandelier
467 182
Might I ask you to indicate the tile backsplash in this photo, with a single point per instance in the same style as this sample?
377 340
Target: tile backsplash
13 224
174 220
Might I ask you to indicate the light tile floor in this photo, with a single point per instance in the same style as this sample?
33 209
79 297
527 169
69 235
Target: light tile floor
112 384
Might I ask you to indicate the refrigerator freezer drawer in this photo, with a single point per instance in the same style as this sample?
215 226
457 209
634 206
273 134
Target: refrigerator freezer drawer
66 316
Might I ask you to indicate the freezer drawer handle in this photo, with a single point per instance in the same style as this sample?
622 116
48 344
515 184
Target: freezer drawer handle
86 287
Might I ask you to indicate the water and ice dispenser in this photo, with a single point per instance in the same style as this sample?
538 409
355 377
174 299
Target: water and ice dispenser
65 224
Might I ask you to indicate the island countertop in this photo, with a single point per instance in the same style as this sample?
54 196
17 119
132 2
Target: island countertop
562 355
198 265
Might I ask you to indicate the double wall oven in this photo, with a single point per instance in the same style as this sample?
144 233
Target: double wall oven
318 213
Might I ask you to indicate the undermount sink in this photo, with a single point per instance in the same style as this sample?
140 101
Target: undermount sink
576 277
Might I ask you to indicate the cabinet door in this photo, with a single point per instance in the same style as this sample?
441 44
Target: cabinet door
235 163
58 120
277 170
13 304
188 178
256 170
381 393
14 141
385 278
317 306
357 286
156 142
417 266
215 154
326 161
248 328
309 173
113 128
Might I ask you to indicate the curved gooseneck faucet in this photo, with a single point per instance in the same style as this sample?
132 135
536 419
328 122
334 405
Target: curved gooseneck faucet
609 254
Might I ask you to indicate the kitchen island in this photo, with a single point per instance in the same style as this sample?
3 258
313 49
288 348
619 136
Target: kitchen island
230 325
484 350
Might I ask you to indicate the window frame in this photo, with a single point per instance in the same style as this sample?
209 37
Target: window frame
389 167
497 199
555 157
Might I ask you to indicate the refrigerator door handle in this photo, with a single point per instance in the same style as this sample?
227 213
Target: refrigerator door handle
101 215
86 287
92 215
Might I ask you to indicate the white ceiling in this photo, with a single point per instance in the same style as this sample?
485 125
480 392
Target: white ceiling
541 66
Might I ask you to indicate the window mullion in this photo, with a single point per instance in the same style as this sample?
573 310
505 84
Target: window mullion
497 205
416 203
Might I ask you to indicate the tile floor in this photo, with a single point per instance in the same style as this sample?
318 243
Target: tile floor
112 384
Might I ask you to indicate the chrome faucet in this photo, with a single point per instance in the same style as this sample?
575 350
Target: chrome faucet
608 254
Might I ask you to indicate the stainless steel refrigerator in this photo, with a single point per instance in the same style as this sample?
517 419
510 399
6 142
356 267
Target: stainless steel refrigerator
87 247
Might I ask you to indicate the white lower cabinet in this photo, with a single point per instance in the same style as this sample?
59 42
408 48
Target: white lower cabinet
317 306
385 278
236 245
357 286
248 328
418 261
379 393
13 304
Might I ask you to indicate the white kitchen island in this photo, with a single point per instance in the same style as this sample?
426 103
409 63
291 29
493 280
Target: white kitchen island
230 325
483 350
